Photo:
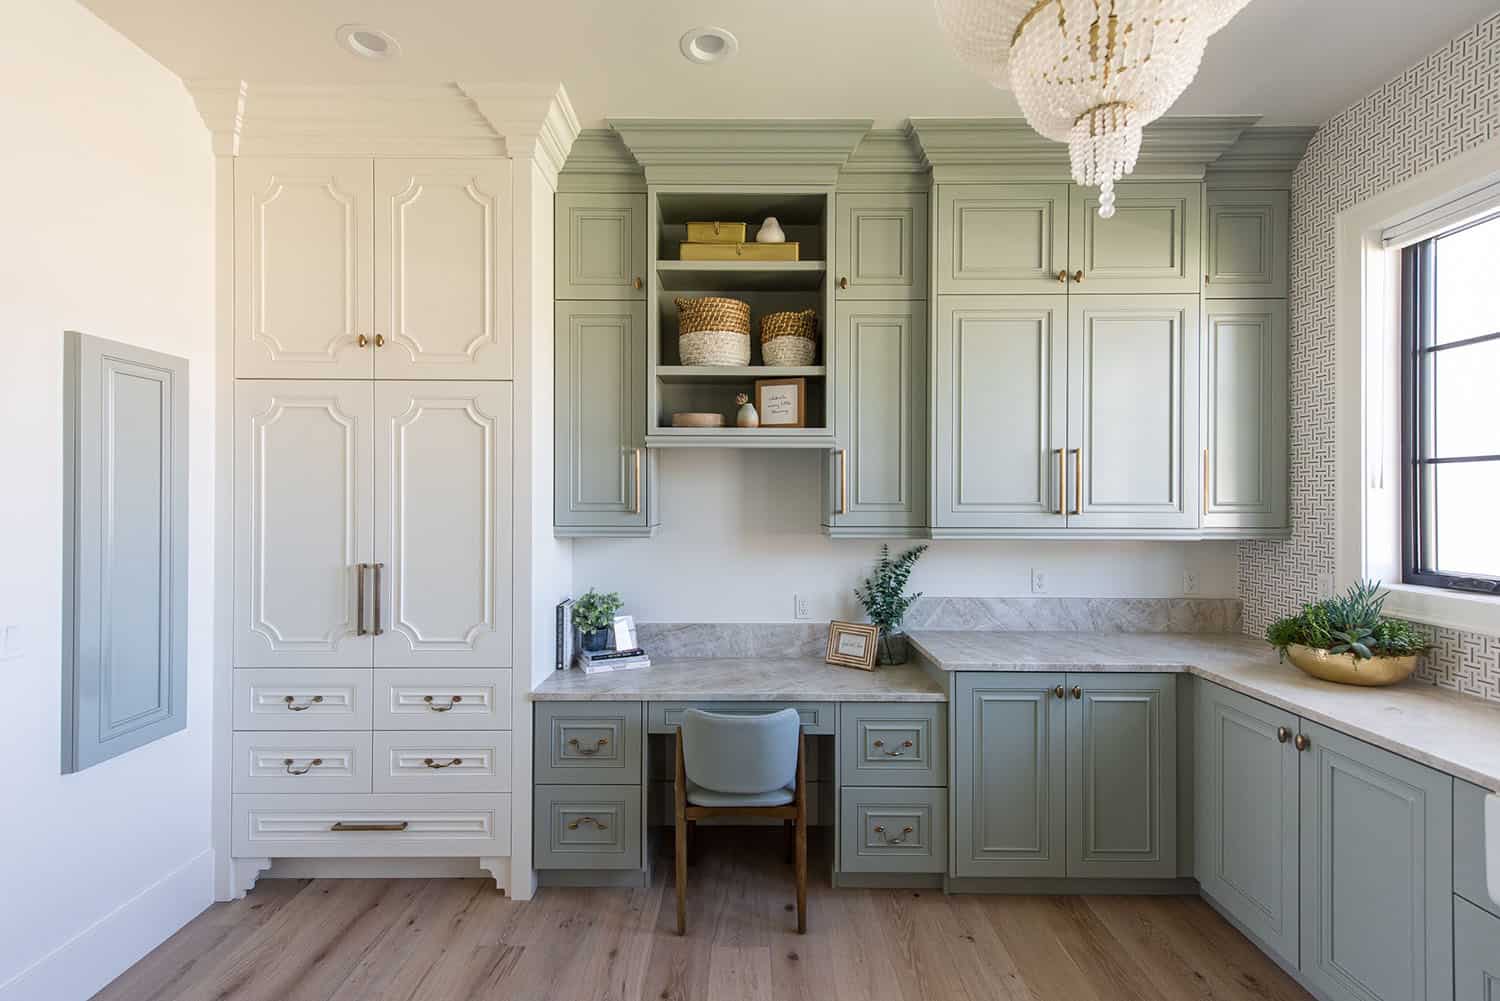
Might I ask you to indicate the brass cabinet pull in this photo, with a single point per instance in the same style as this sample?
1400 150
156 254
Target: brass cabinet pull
1301 743
1205 481
588 820
1060 691
291 703
453 700
636 507
441 764
588 751
899 839
380 338
1077 692
1062 278
1077 481
1078 277
356 825
287 764
376 630
898 752
359 599
1283 735
638 283
844 282
1062 482
843 482
361 340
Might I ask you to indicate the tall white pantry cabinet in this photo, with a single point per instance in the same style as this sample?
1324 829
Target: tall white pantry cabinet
376 329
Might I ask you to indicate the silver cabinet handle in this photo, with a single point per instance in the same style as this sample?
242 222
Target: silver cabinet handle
899 839
376 631
453 700
287 764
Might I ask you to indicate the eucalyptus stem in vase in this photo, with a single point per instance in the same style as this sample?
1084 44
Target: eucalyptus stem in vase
886 603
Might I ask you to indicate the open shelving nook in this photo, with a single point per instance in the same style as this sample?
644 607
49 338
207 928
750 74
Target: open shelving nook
806 215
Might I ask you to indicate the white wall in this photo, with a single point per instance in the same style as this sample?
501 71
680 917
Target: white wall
740 535
107 229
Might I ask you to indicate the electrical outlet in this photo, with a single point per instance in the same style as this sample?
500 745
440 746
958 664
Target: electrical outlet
1325 585
1189 582
1038 581
10 642
800 607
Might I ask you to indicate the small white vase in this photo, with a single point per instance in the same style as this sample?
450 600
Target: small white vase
770 231
747 417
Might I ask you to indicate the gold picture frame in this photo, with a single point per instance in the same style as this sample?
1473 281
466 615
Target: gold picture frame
852 644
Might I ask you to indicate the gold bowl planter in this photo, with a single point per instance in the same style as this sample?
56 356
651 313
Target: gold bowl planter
1347 669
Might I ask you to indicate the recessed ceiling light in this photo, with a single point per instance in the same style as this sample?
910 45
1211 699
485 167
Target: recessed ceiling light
709 45
367 42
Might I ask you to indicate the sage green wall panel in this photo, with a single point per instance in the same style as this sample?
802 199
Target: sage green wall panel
1009 238
600 246
893 830
1122 775
1245 236
1470 878
1010 775
1244 390
1476 963
880 246
1377 872
1152 244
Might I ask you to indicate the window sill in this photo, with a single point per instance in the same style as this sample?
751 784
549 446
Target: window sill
1475 613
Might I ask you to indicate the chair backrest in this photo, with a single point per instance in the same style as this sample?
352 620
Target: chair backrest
740 754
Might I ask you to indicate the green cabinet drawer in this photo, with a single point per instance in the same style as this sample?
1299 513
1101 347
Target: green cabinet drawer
893 830
817 717
1470 879
893 744
587 827
1476 953
597 743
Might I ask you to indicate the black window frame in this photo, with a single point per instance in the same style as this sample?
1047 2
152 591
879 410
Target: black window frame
1418 469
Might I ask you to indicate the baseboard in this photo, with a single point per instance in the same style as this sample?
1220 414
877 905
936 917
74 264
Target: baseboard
887 880
1044 885
82 966
618 878
375 868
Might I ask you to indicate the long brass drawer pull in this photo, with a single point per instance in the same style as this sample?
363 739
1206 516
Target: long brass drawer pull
588 820
441 764
899 839
359 599
377 630
636 506
588 751
344 825
453 700
843 482
898 752
291 703
1062 481
315 762
1077 486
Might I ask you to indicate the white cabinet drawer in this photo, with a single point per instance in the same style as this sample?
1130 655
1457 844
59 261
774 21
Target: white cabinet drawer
426 762
332 761
380 826
442 699
302 699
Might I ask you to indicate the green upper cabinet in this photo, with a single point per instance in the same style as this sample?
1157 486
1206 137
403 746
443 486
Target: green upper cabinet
880 246
600 248
1245 237
1244 391
601 469
878 483
1002 237
1152 244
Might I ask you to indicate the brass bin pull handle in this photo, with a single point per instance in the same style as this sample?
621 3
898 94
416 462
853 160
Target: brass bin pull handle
588 751
636 507
898 752
843 482
291 703
359 599
1077 481
441 764
453 700
358 825
1283 735
287 764
588 820
1062 481
1060 691
899 839
376 630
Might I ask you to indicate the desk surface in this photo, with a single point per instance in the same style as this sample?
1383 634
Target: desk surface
744 680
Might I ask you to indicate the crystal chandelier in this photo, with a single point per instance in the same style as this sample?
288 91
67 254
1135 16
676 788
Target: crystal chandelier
1090 73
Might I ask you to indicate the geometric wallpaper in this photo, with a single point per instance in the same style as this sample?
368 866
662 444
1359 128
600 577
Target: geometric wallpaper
1444 105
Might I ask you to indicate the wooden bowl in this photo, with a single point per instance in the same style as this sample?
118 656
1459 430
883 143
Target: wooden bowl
697 420
1347 669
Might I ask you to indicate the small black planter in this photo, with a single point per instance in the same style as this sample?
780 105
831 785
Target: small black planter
595 640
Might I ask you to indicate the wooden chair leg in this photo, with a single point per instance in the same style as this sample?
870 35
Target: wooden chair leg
801 839
682 839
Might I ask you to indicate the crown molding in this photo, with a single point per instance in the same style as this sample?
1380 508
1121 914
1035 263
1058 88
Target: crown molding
599 161
886 160
221 105
729 151
1262 157
537 121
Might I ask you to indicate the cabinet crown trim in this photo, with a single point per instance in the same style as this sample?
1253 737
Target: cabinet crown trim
727 151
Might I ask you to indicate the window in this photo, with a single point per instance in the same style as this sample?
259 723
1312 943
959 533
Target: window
1450 433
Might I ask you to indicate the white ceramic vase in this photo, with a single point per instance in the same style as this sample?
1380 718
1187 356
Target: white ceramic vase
747 417
770 231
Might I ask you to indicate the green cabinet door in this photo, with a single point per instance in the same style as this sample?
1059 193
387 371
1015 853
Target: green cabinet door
1008 238
1122 775
1245 803
877 482
1377 872
1000 412
602 472
1153 243
600 249
1245 237
1009 773
1244 391
880 246
1476 962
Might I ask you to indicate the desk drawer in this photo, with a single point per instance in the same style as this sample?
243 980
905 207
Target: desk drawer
335 761
893 830
589 743
893 743
426 762
817 717
442 699
275 826
587 827
1469 878
302 698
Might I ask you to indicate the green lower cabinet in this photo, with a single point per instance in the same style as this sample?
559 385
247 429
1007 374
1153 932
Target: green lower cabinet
587 827
1376 872
1476 945
893 830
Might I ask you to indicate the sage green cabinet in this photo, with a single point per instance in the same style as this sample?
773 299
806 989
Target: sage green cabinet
1244 422
1476 953
600 246
1151 244
1470 879
1006 238
602 471
1245 244
1246 814
1376 872
877 480
880 246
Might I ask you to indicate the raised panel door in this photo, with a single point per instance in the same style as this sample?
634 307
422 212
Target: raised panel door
1001 412
443 269
304 523
1244 385
1132 412
1152 243
304 263
881 246
1476 953
443 485
1009 238
1246 244
601 246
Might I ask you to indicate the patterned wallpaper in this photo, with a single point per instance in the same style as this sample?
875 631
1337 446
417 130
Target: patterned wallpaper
1442 106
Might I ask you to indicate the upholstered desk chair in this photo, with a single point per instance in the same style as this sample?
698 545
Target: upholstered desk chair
741 766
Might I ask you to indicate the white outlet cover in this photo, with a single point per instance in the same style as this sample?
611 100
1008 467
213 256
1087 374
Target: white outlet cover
800 607
1038 582
1189 582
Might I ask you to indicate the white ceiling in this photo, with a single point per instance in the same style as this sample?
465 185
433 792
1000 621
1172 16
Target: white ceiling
1293 61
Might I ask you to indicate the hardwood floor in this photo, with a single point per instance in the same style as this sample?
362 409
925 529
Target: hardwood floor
459 940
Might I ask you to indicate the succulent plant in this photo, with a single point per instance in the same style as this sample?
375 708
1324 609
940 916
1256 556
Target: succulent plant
1349 623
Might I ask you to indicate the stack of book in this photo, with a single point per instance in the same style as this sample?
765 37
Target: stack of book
611 660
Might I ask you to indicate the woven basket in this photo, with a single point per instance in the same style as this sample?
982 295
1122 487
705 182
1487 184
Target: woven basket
789 338
713 331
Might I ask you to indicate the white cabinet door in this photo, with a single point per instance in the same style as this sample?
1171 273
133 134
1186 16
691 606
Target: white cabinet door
443 510
303 523
1133 412
1245 414
303 268
442 269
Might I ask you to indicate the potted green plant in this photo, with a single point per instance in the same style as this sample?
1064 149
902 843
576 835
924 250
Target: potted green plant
1346 639
886 605
593 615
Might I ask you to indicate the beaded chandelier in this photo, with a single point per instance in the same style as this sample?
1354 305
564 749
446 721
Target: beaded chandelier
1090 73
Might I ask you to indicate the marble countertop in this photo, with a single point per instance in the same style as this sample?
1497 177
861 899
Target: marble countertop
744 679
1454 733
